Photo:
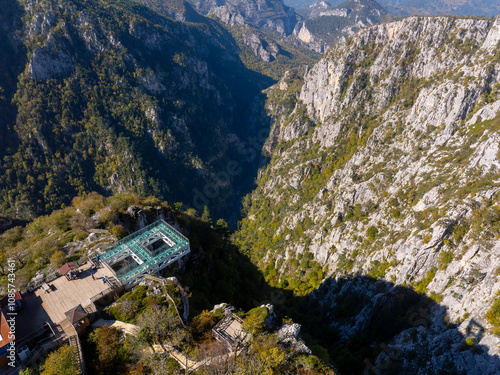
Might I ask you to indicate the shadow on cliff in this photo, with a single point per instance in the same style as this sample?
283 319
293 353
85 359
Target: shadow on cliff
369 326
360 324
230 129
12 61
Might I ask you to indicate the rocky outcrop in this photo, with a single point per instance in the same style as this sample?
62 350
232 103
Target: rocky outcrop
289 336
273 15
50 61
267 52
313 42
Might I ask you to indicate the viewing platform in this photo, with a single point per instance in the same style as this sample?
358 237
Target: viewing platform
147 251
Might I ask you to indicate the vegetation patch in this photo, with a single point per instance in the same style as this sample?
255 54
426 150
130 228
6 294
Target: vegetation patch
493 315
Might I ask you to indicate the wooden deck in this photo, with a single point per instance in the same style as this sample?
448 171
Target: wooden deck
66 294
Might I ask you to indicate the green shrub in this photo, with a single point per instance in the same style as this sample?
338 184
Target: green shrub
445 258
396 213
470 341
380 268
436 297
320 352
458 232
421 286
61 362
119 231
372 232
254 320
493 315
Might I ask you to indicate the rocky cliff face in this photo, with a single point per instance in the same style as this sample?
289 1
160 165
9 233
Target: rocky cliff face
262 27
273 15
385 163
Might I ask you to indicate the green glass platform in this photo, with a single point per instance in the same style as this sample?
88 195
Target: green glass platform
146 251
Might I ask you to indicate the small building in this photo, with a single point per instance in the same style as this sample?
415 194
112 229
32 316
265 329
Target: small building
78 318
5 339
230 332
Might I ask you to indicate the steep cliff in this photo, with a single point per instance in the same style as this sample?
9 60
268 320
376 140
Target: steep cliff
385 165
117 97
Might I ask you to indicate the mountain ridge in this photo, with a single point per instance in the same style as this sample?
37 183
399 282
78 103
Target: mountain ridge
405 8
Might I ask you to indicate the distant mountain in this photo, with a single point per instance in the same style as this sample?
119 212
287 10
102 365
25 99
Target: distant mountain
303 4
261 29
269 14
270 28
318 9
482 8
326 25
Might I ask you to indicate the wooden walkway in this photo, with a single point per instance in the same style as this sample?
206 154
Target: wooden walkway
74 341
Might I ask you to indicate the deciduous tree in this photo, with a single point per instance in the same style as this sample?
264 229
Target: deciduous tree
63 361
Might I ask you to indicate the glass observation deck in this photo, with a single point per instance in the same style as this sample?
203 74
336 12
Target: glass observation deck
146 251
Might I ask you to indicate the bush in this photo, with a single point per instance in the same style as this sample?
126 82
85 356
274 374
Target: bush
111 354
396 213
58 258
372 232
493 315
445 258
436 297
128 306
320 352
119 231
63 361
380 268
254 320
201 326
470 341
421 286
